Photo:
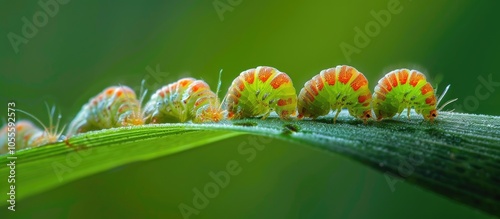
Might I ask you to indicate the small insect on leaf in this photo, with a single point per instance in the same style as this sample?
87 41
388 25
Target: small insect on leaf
115 106
184 100
259 91
29 135
404 89
335 89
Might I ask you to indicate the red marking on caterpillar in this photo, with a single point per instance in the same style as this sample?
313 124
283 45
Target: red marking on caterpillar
248 97
115 106
184 100
322 94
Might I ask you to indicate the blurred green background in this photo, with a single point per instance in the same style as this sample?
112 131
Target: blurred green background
89 45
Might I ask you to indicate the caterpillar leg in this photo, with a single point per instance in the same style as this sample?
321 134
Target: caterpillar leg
266 115
400 110
336 115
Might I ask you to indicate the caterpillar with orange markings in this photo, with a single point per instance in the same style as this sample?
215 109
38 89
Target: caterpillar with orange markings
187 99
28 135
259 91
405 89
116 106
335 89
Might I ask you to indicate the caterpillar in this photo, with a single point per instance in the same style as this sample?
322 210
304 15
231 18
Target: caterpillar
24 131
184 100
115 106
334 89
259 91
28 135
405 89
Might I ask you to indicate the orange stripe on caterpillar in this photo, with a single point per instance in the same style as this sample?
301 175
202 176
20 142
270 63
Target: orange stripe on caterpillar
416 77
265 73
426 88
279 80
403 76
329 77
249 77
359 82
345 74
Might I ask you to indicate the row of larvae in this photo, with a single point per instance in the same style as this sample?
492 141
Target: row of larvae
256 93
259 91
118 106
345 87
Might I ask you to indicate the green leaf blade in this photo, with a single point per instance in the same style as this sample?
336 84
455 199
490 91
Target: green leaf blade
457 156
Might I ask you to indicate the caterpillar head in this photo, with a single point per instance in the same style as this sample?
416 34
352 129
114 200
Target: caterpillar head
131 112
364 113
44 137
367 114
131 118
431 115
209 113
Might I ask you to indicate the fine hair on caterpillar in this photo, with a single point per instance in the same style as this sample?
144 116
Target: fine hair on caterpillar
130 117
213 111
441 98
133 117
49 134
219 84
